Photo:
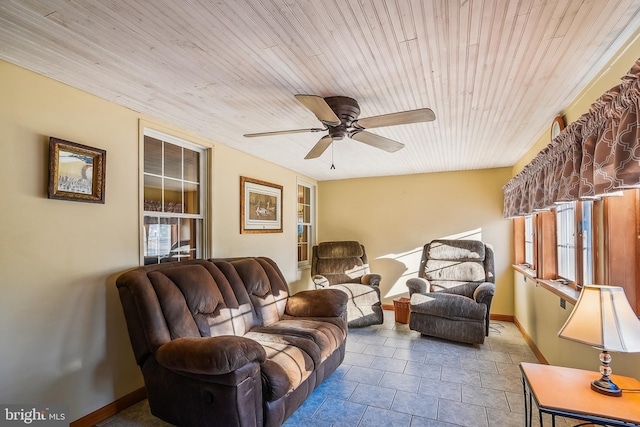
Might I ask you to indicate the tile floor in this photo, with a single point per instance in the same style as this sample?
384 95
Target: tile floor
392 376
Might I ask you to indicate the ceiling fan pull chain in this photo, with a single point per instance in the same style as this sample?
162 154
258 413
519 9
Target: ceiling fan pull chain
332 165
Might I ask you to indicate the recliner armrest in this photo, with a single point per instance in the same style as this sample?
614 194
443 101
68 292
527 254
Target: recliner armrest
484 293
418 285
371 279
210 355
320 281
317 303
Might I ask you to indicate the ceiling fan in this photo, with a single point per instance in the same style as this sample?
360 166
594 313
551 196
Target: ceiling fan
339 115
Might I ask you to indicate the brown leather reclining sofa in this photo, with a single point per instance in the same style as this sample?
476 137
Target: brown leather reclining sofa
222 343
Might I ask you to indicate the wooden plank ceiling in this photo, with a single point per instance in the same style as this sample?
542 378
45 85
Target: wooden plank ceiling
495 72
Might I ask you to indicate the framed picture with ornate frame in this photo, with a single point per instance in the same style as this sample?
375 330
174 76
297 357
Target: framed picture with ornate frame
260 206
76 171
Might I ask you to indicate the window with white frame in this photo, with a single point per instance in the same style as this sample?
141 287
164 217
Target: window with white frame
173 198
566 240
306 222
528 241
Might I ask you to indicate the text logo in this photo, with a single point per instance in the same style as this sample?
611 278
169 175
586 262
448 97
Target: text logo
34 415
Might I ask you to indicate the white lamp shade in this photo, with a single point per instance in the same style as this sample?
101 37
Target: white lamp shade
603 319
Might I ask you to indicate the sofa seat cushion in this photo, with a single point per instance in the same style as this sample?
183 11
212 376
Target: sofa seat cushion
287 364
321 338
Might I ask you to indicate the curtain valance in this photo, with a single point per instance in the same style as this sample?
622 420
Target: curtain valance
596 155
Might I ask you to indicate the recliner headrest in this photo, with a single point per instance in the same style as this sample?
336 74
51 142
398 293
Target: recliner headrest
456 250
345 249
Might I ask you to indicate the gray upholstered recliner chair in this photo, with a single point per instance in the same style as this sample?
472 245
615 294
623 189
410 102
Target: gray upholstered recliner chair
343 265
452 296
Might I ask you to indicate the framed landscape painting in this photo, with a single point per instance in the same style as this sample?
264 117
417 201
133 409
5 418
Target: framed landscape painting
76 171
260 206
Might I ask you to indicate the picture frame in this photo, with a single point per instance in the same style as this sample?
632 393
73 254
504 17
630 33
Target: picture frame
76 171
260 206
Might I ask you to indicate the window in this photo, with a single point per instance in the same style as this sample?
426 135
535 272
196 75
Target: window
584 242
585 233
528 241
305 223
566 240
173 222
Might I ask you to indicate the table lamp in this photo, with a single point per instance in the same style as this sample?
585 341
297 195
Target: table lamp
603 318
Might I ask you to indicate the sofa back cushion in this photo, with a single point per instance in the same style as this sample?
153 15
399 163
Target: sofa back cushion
198 300
264 284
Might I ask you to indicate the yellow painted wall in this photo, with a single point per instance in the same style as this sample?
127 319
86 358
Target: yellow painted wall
61 324
537 309
395 216
539 313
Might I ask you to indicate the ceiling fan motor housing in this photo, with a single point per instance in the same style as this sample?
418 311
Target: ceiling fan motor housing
347 110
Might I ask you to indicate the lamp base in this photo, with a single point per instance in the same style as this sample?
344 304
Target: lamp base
605 386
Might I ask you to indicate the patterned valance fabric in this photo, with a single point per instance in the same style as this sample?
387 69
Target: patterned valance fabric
596 155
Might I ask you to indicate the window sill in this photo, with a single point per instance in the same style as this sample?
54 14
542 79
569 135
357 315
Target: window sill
556 287
528 272
559 288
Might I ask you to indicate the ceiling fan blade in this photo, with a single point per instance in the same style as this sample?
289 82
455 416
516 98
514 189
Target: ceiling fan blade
319 148
377 141
282 132
320 108
393 119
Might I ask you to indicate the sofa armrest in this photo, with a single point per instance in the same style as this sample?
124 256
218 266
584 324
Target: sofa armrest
320 281
371 279
418 285
210 355
317 303
484 293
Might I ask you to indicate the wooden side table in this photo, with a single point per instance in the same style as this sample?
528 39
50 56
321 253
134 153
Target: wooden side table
566 392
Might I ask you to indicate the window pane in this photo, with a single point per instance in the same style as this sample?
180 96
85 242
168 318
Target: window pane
183 246
172 161
191 198
191 165
565 229
152 156
528 240
170 239
587 243
172 195
157 236
303 233
152 193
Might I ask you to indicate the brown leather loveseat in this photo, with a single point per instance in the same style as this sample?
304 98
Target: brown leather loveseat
221 342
